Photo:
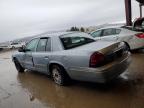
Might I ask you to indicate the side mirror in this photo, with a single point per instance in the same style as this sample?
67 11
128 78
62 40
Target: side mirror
21 49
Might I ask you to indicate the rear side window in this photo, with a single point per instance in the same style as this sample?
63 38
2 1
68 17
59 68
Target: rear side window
117 31
111 31
42 45
96 33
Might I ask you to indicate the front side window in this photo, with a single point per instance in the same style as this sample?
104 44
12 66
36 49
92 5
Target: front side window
42 45
107 32
32 45
75 41
96 34
117 31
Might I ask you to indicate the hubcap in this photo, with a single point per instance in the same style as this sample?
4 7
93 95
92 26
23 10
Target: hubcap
56 76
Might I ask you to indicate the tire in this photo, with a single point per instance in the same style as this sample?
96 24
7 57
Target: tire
19 68
128 46
59 75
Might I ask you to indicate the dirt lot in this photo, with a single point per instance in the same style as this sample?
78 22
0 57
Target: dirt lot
33 90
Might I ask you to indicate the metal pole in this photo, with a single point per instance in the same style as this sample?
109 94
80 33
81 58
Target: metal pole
128 12
140 5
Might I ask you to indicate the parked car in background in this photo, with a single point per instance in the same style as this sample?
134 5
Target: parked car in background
138 24
4 47
134 39
14 45
73 55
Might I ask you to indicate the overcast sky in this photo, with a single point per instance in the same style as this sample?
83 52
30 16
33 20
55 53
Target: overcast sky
20 18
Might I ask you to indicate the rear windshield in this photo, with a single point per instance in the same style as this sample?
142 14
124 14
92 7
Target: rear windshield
75 41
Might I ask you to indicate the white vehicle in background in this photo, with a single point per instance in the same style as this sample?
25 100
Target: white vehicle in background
134 39
14 45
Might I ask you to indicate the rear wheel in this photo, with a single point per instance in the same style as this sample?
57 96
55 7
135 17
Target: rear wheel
128 46
59 75
18 66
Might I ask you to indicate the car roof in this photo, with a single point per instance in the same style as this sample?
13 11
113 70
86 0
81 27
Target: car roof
110 27
58 34
54 34
118 27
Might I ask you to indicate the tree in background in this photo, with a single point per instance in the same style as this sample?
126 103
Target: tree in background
74 29
82 29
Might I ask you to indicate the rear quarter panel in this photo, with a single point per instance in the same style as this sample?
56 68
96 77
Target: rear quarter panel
71 59
129 37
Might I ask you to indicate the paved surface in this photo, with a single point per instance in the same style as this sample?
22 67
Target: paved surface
33 90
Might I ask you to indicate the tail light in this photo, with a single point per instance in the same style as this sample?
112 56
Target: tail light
140 35
96 59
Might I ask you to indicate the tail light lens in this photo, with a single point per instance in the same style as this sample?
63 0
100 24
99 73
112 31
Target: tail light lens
140 35
96 59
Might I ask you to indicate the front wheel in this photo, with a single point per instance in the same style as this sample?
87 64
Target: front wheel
18 66
59 75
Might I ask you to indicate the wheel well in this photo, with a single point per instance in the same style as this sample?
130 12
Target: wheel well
52 64
127 45
14 58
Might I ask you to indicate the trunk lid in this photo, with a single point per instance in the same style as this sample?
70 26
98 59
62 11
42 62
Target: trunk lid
103 47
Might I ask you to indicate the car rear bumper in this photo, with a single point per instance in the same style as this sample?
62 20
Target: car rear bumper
136 43
115 69
104 73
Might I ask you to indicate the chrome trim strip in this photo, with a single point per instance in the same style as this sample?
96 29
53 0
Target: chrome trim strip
42 65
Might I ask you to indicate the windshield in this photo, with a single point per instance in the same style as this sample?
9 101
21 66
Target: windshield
72 42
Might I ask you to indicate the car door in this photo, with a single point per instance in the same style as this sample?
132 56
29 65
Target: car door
97 34
28 59
109 34
42 54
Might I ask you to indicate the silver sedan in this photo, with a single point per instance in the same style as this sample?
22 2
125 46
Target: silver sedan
134 39
73 55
